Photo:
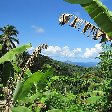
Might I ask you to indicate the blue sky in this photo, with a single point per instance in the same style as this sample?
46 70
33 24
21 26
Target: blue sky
37 23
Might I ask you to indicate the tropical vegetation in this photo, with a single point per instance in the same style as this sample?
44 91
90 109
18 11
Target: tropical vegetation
37 83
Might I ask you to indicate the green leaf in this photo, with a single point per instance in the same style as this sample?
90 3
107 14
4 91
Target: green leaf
0 46
7 72
10 56
32 98
20 109
28 72
38 109
52 79
44 80
15 66
35 77
55 110
99 13
21 49
95 96
17 90
1 85
93 99
79 1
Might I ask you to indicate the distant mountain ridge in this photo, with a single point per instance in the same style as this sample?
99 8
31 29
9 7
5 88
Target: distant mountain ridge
84 64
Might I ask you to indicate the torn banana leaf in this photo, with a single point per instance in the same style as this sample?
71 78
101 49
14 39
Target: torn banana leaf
98 12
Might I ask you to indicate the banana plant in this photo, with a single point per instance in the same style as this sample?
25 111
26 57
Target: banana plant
9 58
22 85
99 13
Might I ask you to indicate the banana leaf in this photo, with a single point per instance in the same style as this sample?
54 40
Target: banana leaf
79 1
26 87
98 12
8 71
8 58
20 109
11 55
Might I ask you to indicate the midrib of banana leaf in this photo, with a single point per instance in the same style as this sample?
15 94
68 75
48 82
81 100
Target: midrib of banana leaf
100 14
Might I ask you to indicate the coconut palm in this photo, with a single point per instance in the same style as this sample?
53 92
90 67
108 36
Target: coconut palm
7 38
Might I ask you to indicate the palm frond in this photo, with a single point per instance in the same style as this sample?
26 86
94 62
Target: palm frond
1 30
12 44
14 39
10 30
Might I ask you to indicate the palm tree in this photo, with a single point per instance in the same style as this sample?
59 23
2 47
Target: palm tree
7 38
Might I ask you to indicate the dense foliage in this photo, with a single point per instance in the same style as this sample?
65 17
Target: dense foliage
50 85
37 83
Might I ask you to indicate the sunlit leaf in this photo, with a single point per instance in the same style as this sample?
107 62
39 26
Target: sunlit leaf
20 109
9 56
35 77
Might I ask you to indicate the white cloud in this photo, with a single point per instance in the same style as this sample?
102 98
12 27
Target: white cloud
52 50
62 52
92 52
38 29
76 53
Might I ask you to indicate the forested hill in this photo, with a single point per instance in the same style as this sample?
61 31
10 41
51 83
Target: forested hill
69 84
61 68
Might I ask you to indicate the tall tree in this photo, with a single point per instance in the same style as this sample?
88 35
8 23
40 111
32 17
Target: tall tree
7 42
7 38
